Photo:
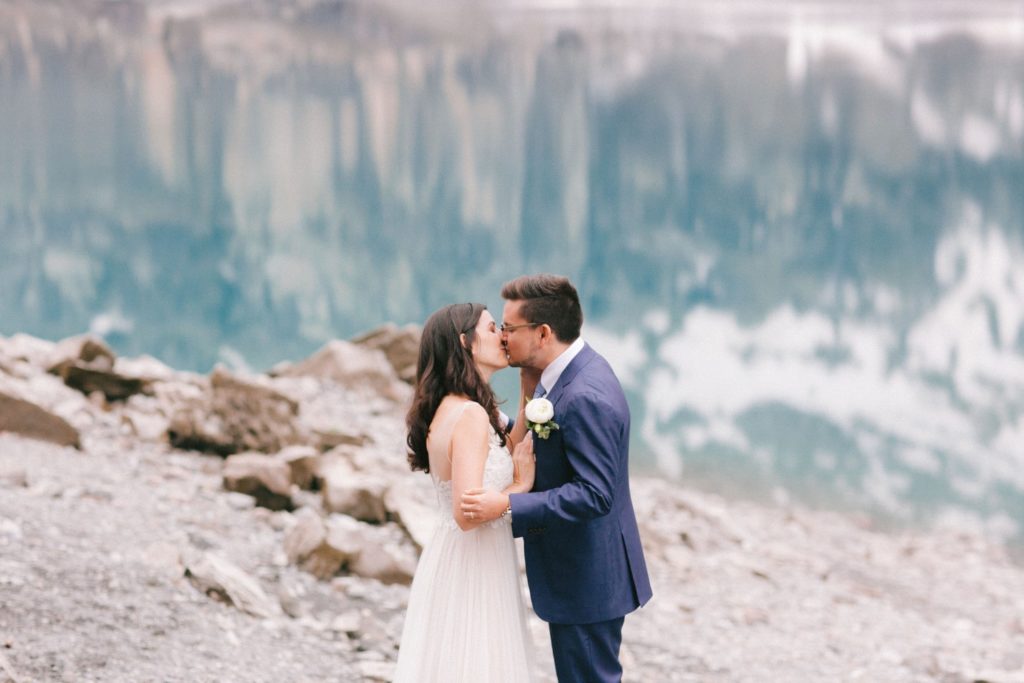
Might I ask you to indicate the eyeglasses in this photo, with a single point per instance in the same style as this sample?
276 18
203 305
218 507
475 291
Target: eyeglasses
509 328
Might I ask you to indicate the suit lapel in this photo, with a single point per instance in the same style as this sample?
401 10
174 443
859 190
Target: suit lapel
585 355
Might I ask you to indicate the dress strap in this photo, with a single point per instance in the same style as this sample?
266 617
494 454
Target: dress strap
461 409
441 438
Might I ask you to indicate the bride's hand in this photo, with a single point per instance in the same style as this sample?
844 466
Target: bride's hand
525 465
483 505
528 380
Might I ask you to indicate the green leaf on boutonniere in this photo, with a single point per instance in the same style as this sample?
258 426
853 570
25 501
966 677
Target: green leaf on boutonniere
542 429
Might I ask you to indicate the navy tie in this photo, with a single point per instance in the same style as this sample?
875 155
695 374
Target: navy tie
539 391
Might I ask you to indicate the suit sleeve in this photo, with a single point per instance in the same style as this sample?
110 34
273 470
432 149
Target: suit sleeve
591 433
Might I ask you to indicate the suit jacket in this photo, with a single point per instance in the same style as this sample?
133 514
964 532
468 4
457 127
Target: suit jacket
584 561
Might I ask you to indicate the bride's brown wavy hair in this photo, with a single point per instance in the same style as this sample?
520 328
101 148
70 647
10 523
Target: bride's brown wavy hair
445 366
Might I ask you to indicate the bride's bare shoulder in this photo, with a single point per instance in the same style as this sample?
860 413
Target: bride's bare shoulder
455 408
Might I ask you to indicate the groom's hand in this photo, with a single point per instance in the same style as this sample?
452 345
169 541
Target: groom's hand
529 378
483 505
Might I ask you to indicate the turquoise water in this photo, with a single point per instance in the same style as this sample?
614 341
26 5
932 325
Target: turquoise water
799 236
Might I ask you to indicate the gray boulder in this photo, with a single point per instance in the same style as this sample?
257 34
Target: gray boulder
147 426
86 363
303 464
264 477
399 344
349 365
85 350
375 552
236 415
306 546
353 493
412 502
219 578
114 386
27 418
27 349
327 438
146 368
386 555
324 548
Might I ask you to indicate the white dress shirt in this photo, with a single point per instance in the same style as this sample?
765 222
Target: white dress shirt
555 368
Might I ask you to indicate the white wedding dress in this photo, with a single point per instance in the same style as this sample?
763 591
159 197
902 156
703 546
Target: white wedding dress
466 620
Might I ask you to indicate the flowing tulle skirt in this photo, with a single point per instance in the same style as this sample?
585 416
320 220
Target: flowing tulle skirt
466 620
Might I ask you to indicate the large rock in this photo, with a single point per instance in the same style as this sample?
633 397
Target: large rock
385 552
412 502
236 415
148 416
34 385
330 437
27 418
173 397
266 478
353 493
304 536
27 349
303 464
219 578
400 345
375 552
306 546
376 670
85 350
349 365
198 427
115 386
325 548
86 363
330 421
146 368
146 426
332 414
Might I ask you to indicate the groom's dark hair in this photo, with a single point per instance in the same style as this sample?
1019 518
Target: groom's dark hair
548 299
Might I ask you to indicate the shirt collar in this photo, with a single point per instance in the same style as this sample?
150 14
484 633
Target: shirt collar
556 367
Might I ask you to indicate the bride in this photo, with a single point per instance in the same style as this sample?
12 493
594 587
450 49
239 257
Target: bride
466 620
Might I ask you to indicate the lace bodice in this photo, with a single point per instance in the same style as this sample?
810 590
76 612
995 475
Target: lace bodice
498 473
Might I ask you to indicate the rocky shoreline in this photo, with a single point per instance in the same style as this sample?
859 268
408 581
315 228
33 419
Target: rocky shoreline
158 525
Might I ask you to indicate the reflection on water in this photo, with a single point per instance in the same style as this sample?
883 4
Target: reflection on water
801 243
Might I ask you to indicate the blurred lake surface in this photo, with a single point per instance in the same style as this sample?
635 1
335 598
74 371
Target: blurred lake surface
798 230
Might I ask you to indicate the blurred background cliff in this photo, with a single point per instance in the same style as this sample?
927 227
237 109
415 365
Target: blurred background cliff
798 228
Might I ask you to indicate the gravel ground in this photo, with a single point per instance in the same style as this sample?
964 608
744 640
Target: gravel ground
92 588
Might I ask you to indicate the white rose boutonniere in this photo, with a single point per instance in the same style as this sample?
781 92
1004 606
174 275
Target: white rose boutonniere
539 412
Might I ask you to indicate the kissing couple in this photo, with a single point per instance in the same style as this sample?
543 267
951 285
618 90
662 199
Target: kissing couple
557 476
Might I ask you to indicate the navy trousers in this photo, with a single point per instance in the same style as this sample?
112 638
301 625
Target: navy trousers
587 653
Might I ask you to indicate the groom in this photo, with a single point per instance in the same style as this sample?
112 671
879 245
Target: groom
584 561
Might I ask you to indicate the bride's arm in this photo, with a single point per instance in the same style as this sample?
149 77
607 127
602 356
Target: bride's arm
486 505
469 454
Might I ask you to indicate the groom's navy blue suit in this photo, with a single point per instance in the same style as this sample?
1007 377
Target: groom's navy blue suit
584 561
